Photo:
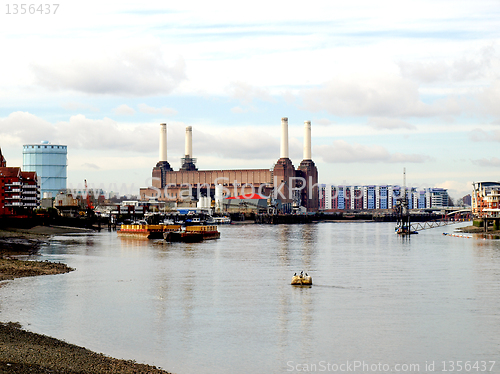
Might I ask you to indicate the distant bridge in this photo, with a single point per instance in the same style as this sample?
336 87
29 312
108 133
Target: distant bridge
459 216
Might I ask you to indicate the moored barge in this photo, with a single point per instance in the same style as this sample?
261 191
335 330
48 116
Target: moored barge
147 231
192 234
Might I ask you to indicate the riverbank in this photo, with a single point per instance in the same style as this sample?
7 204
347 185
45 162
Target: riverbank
26 352
477 230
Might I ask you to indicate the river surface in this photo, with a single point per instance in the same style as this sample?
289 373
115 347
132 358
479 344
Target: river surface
227 306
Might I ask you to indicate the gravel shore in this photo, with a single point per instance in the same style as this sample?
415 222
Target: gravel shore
26 352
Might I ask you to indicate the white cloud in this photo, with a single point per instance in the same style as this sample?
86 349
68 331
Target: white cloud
138 70
324 122
238 109
144 108
124 110
246 93
342 152
488 162
480 135
389 96
471 65
22 127
75 106
389 123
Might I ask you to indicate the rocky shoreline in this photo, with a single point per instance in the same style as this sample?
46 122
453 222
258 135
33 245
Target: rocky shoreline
26 352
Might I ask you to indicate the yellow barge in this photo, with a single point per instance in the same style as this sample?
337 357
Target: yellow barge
147 231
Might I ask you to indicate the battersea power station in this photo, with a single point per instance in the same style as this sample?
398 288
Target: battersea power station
283 185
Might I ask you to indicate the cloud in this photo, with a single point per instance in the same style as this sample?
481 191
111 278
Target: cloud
492 162
124 110
461 69
238 109
74 106
480 135
342 152
144 108
389 123
78 133
388 97
324 122
384 96
489 98
24 128
246 93
90 166
135 71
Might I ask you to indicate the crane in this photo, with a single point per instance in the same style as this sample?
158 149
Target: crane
89 203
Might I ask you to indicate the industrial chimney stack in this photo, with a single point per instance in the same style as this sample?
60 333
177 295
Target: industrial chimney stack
307 140
188 162
163 142
284 138
189 142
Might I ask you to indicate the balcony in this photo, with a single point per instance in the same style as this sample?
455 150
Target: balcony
14 190
15 197
13 184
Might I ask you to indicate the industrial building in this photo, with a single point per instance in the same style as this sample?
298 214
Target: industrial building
284 185
19 191
379 197
49 161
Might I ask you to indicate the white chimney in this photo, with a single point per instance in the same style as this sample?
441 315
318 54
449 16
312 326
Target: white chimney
307 140
284 138
189 142
163 142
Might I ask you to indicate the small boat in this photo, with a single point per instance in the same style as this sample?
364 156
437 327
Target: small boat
222 220
146 231
192 234
302 280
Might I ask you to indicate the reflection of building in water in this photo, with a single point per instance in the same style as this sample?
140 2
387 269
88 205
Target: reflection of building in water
291 186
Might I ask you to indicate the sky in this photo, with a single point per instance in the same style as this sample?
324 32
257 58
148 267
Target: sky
387 86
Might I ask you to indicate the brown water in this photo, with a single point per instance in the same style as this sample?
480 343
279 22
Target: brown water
226 306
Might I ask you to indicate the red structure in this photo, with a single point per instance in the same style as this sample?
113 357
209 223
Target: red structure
19 191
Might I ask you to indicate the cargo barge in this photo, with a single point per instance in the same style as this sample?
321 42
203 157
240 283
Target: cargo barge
192 234
147 231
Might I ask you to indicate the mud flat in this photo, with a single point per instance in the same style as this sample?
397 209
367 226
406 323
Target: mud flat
26 352
477 230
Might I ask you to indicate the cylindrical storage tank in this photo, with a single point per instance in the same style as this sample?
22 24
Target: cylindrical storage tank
307 140
284 138
49 161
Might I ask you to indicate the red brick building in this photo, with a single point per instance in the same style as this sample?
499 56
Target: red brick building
19 191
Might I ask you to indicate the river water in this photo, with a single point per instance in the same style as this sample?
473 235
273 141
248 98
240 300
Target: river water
226 306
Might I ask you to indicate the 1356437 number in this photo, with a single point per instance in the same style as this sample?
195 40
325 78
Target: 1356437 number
31 8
